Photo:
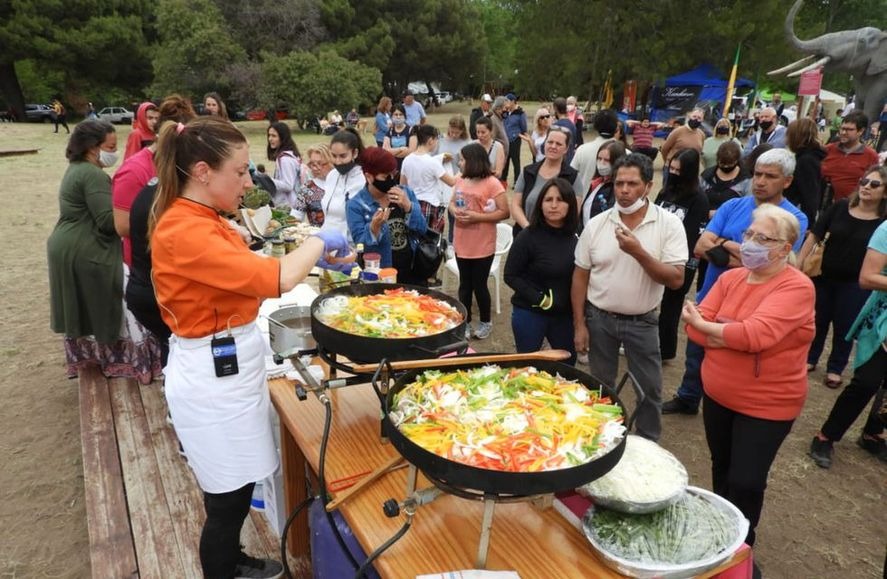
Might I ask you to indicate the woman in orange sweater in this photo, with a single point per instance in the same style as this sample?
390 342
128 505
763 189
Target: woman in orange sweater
756 325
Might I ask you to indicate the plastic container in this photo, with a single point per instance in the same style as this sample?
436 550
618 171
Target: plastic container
388 275
460 200
372 262
369 276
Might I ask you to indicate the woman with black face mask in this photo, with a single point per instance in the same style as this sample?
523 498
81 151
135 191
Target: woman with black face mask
345 180
384 216
725 180
681 196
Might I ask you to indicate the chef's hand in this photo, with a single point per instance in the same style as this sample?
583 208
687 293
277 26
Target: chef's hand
336 265
398 196
334 241
242 231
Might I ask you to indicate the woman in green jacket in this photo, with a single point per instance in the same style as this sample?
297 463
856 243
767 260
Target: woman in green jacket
85 259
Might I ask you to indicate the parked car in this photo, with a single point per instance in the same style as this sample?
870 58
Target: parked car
38 113
116 115
444 97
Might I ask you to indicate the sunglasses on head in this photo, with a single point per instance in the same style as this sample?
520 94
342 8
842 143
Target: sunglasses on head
873 182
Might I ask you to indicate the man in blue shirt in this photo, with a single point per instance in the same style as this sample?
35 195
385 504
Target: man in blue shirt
515 126
414 109
719 245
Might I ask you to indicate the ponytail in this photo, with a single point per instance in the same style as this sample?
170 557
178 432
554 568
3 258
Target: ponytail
179 148
350 138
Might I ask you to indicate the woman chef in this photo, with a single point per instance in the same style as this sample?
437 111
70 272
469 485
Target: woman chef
209 286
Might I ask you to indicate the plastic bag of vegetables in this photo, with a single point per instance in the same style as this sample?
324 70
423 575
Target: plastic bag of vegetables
697 533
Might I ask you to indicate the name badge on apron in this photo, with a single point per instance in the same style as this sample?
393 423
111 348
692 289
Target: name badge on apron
224 356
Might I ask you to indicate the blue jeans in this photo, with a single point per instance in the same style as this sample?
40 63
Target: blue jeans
640 337
837 305
690 390
530 328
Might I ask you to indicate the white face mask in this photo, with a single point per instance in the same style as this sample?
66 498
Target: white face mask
633 208
107 158
604 169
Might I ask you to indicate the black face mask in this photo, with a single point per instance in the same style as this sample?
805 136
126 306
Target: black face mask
345 168
693 123
765 125
385 185
722 130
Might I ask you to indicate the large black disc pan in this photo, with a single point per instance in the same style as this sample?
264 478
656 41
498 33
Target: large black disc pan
366 349
499 482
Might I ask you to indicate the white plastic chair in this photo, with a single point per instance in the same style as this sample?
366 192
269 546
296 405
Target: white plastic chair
504 237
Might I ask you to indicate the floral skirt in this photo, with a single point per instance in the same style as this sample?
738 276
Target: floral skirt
136 354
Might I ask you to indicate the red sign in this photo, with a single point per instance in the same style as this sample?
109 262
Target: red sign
629 95
811 82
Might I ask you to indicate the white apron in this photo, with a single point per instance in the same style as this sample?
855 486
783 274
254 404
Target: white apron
224 424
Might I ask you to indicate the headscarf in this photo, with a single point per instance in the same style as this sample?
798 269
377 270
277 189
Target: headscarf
140 132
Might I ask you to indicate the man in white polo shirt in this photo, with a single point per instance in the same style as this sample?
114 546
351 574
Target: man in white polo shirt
624 258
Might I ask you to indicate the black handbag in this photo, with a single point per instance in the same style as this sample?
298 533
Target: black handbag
428 253
718 255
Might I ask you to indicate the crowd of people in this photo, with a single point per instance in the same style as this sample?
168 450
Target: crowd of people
148 274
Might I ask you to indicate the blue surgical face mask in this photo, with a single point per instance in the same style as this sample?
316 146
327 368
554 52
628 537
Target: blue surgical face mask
753 255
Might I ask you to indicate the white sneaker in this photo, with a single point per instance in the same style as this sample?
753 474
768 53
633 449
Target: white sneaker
483 331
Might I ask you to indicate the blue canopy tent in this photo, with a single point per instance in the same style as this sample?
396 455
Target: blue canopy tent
703 86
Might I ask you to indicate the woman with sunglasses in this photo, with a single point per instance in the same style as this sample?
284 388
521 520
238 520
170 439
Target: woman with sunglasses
756 324
870 365
309 199
540 130
847 227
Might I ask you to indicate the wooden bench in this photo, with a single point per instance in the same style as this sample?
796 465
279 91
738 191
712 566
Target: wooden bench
143 506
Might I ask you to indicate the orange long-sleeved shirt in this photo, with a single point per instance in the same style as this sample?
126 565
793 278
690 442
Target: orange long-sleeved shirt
205 277
762 370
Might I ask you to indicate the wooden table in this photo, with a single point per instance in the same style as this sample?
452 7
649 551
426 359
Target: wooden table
445 533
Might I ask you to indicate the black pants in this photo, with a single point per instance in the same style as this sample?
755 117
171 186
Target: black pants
513 159
670 316
742 450
651 152
866 381
473 275
142 303
220 539
63 121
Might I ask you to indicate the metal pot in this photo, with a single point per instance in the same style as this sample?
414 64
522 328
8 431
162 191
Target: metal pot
368 349
464 476
289 330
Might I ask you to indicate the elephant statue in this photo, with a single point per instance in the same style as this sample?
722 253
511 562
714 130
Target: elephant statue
861 52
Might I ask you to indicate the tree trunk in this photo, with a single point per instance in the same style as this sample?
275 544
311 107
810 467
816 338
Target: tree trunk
12 90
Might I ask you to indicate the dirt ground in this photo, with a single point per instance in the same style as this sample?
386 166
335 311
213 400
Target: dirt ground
816 523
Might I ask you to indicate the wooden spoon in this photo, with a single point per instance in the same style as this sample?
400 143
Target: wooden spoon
550 355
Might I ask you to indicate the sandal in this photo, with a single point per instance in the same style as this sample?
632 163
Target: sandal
833 383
